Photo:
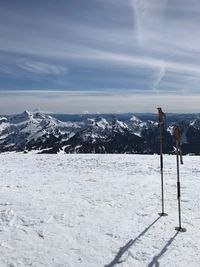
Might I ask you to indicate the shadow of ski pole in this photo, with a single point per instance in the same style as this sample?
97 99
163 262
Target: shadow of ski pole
130 243
155 259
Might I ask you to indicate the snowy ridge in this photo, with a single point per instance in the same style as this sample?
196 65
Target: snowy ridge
195 123
42 132
23 130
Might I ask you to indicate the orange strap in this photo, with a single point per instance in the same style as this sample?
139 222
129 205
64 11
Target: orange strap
178 133
161 114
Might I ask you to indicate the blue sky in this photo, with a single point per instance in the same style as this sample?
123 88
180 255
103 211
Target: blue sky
77 56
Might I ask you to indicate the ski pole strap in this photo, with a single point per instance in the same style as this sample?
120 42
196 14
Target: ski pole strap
178 135
161 115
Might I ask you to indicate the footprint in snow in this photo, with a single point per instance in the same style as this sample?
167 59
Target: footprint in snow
5 245
91 180
142 214
40 233
4 204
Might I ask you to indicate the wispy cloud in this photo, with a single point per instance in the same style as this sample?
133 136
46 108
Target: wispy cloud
40 67
148 17
158 78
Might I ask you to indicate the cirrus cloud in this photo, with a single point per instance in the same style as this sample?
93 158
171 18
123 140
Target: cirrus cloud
41 68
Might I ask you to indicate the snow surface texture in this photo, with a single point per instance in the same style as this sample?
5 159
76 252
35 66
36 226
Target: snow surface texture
96 210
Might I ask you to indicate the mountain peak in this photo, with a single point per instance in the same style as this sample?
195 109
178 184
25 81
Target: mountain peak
135 119
26 113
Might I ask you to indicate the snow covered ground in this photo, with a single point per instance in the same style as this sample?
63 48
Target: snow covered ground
96 210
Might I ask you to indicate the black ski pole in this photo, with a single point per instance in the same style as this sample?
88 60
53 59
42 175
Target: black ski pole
178 141
161 116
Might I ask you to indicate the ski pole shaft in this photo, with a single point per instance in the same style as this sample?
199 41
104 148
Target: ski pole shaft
161 169
161 117
178 183
181 155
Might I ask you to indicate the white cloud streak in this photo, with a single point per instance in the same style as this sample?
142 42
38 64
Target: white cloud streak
148 17
40 67
158 78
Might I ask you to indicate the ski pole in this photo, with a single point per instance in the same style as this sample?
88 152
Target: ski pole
161 116
178 137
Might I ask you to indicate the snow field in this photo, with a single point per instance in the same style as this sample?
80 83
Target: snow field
97 210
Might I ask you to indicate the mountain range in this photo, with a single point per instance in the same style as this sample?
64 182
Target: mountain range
92 133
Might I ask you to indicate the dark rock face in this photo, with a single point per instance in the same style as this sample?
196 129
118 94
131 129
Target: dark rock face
193 141
37 131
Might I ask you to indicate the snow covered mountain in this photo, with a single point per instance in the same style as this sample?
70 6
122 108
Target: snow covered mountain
97 134
33 131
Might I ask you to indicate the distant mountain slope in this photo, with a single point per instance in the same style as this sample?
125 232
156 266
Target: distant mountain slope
96 133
